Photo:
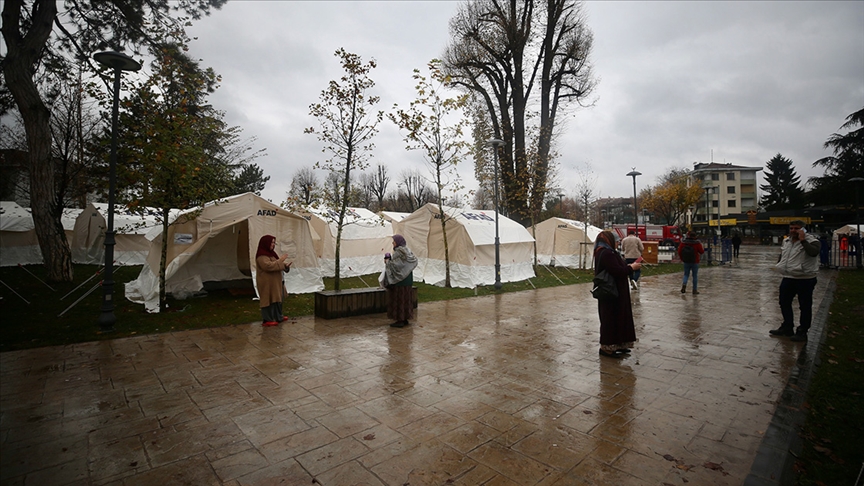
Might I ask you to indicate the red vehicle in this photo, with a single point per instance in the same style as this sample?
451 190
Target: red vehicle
665 235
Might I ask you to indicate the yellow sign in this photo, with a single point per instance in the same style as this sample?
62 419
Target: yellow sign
787 219
723 222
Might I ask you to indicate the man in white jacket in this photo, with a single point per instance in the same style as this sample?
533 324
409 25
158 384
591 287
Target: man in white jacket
799 264
633 248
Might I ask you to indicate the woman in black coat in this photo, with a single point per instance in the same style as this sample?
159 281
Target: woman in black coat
617 331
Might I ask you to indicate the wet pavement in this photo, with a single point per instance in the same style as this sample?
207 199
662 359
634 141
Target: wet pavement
496 390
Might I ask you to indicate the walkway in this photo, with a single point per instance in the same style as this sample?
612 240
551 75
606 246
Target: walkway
497 390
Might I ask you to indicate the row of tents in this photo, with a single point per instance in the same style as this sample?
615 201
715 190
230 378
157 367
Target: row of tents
217 243
85 231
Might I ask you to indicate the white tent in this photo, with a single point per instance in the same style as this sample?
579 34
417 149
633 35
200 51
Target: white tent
471 244
18 243
217 243
130 244
849 230
565 243
365 238
393 216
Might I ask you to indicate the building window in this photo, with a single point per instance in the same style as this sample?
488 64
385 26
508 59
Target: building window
715 203
732 204
730 176
730 189
715 177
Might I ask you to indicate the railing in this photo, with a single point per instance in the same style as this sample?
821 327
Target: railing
838 254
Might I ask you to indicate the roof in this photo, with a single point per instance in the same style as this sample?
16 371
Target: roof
712 166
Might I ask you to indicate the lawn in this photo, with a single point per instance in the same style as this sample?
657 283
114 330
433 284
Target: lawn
833 452
37 323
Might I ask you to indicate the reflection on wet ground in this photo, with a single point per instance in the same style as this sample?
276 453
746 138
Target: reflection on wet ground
503 390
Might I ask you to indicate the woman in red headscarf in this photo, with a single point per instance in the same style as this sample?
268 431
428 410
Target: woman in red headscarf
268 276
617 332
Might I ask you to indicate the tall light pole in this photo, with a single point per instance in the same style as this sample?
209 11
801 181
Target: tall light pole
633 173
857 181
708 220
495 144
118 62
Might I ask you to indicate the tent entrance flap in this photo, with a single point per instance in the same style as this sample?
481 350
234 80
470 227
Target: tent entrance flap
241 229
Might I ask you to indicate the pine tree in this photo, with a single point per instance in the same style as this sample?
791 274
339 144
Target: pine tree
783 189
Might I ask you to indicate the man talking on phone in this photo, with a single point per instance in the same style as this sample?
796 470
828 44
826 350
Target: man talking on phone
799 264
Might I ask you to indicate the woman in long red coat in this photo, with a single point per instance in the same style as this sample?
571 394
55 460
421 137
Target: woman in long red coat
617 331
269 267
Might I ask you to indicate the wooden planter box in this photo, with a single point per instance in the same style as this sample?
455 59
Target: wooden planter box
332 304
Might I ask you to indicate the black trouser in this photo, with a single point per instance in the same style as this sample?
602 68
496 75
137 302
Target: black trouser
803 288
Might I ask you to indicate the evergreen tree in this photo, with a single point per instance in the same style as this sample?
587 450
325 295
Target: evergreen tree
847 162
783 189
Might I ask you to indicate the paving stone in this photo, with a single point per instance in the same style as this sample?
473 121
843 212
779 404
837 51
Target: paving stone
496 390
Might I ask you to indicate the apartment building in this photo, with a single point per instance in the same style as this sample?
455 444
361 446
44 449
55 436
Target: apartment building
730 189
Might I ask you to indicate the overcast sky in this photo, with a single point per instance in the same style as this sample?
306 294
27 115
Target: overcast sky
679 82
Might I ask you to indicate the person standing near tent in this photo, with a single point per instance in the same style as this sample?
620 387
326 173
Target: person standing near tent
617 331
633 248
690 252
270 267
399 280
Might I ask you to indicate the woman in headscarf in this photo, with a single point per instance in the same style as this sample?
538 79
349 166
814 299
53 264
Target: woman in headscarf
617 332
399 280
268 276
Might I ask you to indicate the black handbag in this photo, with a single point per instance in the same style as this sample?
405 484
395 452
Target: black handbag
604 286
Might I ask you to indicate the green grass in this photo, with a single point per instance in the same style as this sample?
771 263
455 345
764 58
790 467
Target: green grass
834 433
37 324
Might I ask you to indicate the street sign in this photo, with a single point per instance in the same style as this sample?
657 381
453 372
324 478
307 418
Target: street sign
785 220
723 222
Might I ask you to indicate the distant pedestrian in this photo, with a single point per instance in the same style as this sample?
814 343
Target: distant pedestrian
736 245
399 281
824 250
633 248
799 264
268 276
690 252
617 331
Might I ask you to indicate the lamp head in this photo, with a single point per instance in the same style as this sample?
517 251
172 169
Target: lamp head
495 143
117 60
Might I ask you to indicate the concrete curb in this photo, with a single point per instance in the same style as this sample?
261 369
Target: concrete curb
782 443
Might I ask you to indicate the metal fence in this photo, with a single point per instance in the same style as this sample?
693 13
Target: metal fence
839 253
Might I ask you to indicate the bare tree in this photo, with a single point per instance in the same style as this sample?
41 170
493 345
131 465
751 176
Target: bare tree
379 183
364 192
586 195
347 126
501 51
304 186
417 190
434 125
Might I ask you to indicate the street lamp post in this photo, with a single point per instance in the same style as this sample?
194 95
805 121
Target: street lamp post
495 144
708 220
119 62
633 174
857 181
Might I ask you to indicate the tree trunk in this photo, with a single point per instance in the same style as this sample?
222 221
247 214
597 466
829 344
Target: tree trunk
22 56
163 259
